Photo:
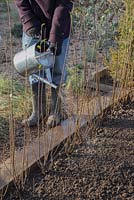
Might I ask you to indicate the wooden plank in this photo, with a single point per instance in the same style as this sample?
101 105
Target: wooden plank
40 148
102 87
25 158
94 73
100 72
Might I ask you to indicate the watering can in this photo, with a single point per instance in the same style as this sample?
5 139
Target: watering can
31 60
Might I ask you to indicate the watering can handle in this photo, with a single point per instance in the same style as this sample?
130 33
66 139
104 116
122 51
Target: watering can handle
43 54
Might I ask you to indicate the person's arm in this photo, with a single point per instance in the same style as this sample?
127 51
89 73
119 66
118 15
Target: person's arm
60 22
28 18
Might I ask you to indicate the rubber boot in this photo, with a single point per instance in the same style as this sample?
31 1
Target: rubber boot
55 115
38 104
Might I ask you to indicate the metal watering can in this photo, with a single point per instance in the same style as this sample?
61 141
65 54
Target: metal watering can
30 61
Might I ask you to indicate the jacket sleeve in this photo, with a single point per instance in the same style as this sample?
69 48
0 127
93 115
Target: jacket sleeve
61 21
26 14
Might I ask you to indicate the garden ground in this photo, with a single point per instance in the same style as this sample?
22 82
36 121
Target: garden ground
100 167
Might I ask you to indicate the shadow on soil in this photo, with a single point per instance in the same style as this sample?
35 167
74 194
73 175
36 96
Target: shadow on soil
4 130
120 123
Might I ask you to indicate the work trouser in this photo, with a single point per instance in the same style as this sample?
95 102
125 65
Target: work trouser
59 74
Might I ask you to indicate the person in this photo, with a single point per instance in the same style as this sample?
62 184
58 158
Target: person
55 14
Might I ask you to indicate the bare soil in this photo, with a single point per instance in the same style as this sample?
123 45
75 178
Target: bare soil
100 167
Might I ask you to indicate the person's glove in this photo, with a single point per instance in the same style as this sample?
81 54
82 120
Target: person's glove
34 32
54 49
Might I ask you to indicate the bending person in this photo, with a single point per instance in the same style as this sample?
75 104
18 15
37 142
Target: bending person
55 14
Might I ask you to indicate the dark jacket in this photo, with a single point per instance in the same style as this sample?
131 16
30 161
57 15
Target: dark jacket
54 13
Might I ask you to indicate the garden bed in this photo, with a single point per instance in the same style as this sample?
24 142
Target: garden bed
100 167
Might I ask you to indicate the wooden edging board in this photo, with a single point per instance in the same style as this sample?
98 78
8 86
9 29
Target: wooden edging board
38 149
102 87
98 73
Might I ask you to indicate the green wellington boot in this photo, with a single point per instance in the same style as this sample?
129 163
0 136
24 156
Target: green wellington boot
55 115
38 104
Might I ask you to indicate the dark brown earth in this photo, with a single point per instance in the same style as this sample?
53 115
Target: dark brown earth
101 166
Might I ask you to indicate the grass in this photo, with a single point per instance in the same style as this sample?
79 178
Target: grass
75 78
18 98
122 58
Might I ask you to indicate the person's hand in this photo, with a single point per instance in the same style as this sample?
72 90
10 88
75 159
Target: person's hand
44 46
54 49
34 32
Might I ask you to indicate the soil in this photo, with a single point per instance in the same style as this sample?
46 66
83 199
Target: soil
100 167
107 79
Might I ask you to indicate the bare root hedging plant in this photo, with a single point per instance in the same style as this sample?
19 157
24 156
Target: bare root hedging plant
96 27
96 22
122 57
